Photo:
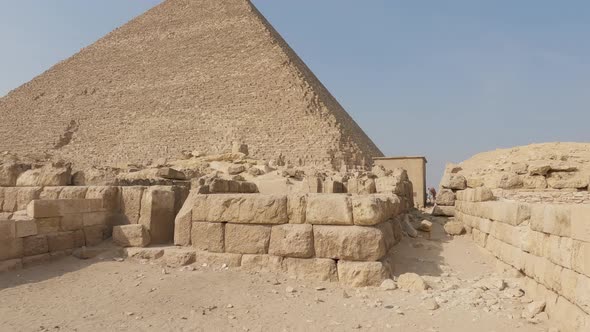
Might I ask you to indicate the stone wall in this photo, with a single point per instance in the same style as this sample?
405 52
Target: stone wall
335 237
548 244
545 196
153 208
49 229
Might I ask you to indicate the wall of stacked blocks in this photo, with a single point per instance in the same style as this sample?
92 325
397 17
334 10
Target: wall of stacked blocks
548 244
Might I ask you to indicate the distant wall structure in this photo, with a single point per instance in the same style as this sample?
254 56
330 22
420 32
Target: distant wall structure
416 168
186 75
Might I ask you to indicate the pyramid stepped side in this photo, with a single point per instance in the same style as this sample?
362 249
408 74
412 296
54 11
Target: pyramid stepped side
186 75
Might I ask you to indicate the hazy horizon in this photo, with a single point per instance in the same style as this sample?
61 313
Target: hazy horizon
440 80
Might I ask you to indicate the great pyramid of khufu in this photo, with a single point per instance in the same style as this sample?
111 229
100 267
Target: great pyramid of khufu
186 75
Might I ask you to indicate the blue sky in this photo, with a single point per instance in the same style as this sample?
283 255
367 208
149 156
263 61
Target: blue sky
444 79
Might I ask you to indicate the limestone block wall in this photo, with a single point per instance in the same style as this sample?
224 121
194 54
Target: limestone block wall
331 237
51 228
545 196
152 207
549 244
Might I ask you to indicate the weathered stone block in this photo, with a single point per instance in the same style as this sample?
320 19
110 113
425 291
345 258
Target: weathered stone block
61 207
262 263
37 260
131 236
370 210
11 248
10 199
170 173
110 196
332 187
580 222
144 253
72 222
221 208
184 219
94 235
9 173
95 218
296 208
48 175
354 243
292 241
581 257
446 197
48 225
50 193
79 238
73 193
25 227
131 203
247 239
582 292
556 220
311 269
361 274
7 230
262 209
26 195
329 209
208 236
179 257
60 241
217 260
446 211
157 214
313 184
453 181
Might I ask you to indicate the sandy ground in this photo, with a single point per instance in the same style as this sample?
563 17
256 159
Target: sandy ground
104 294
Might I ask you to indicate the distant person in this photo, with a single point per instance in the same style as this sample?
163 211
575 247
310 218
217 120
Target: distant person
432 192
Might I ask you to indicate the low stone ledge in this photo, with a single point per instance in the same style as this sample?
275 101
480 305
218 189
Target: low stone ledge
311 269
292 241
362 274
356 243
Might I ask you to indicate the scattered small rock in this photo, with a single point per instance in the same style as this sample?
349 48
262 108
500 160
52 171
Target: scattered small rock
388 285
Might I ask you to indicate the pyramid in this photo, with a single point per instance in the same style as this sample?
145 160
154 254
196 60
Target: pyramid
186 75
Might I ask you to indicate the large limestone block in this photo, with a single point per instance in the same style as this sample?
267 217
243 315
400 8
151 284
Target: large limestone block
311 269
7 229
221 208
580 222
49 175
10 199
35 245
292 241
50 192
362 274
157 214
247 239
512 213
329 209
446 197
534 182
361 186
454 182
313 184
568 282
131 204
567 180
559 250
144 253
534 242
9 173
57 208
11 265
262 209
390 184
131 236
25 226
581 257
73 193
582 292
11 248
208 236
446 211
184 219
355 243
371 210
262 263
179 257
60 241
26 195
296 208
110 196
93 235
570 316
556 220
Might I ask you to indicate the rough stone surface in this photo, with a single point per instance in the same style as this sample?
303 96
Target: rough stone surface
218 259
208 236
329 209
355 243
361 274
323 133
131 236
292 241
35 245
445 197
411 282
454 228
445 211
247 239
60 241
262 263
131 203
179 257
158 213
311 269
